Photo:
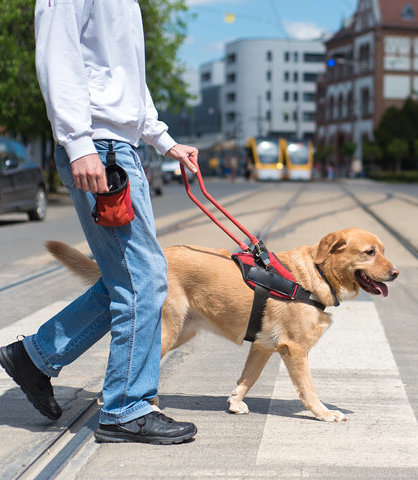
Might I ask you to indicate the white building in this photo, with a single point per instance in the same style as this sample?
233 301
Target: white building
270 87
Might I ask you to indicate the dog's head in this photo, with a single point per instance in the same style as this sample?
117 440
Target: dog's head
354 258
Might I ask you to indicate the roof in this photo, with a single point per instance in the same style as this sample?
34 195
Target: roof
399 13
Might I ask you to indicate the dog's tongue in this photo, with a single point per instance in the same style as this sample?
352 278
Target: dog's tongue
383 289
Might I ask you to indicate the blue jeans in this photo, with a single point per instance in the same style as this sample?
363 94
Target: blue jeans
127 300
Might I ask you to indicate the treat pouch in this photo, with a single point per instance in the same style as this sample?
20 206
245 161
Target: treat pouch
114 208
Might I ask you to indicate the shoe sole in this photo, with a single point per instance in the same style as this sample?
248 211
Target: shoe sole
8 367
102 436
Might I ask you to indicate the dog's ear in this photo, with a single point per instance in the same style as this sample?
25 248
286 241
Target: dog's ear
331 243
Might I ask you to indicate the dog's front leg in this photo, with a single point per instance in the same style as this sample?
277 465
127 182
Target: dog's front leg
296 360
256 361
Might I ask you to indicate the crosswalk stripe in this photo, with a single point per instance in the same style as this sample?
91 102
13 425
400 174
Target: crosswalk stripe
354 371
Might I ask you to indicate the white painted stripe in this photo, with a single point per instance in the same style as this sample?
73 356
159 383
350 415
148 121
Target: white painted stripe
354 371
30 324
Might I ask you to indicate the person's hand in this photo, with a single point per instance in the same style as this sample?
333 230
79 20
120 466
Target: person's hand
89 174
185 155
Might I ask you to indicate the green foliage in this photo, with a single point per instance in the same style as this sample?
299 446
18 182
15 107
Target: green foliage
349 149
372 153
165 30
22 109
397 136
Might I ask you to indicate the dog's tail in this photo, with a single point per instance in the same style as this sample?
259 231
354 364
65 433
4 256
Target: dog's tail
75 261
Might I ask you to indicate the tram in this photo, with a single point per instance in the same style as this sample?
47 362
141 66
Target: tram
266 158
299 159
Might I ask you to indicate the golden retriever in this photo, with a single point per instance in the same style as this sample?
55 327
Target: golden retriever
206 290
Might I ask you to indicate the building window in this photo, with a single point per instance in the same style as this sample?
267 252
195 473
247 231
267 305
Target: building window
286 76
206 77
350 105
365 102
230 78
308 116
231 58
408 12
286 96
268 115
286 116
295 96
313 57
309 96
340 106
286 56
268 75
269 56
230 97
295 116
296 57
331 109
295 76
230 117
310 77
268 95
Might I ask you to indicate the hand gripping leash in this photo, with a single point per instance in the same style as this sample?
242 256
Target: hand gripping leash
258 248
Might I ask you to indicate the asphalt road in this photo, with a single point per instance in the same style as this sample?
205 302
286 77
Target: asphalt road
366 365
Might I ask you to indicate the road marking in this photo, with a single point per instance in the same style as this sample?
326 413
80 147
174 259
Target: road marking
354 371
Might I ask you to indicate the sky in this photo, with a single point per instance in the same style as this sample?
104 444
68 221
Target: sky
208 29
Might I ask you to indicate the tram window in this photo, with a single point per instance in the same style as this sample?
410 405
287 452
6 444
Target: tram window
268 152
298 153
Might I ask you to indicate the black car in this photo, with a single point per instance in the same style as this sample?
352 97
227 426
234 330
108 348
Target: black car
151 162
22 185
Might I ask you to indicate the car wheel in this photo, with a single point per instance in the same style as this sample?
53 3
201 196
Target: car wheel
39 212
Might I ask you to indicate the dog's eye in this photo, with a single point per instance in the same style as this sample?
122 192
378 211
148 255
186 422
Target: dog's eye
370 252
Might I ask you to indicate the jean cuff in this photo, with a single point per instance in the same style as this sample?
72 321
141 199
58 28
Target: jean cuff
139 410
38 357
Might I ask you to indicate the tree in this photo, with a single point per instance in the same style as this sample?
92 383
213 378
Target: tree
22 110
168 89
398 150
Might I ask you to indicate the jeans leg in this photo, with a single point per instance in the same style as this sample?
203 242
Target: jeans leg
134 278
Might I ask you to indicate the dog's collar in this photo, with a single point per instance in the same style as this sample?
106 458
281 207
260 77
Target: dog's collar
336 301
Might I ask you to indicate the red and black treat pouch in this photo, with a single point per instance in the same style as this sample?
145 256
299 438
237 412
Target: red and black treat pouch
114 208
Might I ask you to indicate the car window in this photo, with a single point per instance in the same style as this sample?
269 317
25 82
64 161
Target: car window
20 152
7 157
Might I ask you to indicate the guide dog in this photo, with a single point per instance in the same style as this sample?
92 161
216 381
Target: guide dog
206 291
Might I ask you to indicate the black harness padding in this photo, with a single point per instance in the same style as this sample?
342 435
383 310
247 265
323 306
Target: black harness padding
275 282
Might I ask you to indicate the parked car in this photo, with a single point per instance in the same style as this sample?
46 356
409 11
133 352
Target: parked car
171 171
22 185
152 164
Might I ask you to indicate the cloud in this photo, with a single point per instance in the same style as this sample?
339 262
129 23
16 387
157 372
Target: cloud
303 30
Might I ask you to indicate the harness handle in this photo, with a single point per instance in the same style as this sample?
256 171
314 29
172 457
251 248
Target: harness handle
254 240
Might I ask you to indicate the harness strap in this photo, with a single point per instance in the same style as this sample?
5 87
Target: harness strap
261 295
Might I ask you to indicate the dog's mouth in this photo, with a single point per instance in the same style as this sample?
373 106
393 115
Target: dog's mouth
371 286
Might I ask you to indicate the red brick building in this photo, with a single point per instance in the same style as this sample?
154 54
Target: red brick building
376 66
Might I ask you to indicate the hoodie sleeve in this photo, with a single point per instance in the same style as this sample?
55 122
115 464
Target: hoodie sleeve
155 131
61 73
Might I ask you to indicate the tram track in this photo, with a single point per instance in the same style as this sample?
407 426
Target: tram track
59 451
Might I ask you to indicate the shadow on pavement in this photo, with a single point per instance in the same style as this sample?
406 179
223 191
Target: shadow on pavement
259 405
17 412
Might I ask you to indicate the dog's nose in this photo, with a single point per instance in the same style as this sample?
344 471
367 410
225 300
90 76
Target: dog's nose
394 273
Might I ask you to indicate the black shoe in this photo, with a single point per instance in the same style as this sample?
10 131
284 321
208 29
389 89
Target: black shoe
35 384
154 427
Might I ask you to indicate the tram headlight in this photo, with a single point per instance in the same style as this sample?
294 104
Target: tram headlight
279 166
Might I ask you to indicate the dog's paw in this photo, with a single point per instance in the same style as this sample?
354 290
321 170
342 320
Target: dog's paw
332 416
155 401
239 408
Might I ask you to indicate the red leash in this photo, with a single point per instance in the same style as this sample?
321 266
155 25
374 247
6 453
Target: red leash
258 248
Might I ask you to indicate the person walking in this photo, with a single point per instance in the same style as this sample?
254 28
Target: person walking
90 61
